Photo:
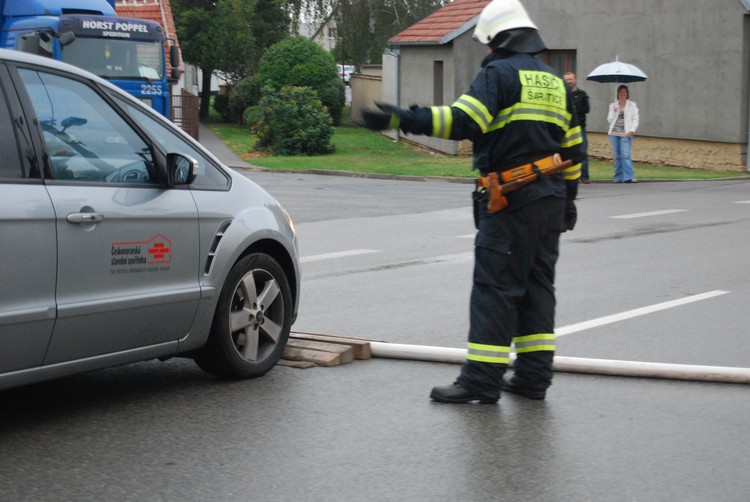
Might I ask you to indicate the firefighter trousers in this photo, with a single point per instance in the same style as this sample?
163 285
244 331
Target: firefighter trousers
513 296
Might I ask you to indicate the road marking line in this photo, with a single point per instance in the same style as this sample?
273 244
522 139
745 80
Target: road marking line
650 213
595 323
467 236
455 257
340 254
742 202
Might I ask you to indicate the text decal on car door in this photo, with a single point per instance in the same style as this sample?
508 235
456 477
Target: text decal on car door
152 255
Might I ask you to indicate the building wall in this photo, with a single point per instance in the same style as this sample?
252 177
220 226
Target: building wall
416 70
367 87
691 50
469 53
321 35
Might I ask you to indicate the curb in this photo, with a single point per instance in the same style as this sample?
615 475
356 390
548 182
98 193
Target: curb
352 174
445 179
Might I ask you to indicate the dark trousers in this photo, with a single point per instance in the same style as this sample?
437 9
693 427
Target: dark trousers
585 160
513 293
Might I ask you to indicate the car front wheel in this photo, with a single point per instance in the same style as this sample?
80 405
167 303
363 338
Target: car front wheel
252 320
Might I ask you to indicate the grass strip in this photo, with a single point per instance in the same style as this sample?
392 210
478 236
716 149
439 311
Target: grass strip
363 151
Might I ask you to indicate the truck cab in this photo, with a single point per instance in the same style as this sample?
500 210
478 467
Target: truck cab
128 52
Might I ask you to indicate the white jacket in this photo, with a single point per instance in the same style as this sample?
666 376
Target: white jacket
631 116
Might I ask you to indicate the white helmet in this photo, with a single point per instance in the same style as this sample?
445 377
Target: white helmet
499 16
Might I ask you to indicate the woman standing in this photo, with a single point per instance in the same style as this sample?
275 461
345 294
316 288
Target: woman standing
623 121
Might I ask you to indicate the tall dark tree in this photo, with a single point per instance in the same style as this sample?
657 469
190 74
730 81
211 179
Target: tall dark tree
227 36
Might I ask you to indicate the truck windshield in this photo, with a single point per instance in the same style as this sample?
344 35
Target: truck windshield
117 59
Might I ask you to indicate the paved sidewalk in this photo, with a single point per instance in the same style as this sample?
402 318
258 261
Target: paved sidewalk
225 154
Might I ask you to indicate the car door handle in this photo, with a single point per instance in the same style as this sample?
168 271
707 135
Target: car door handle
85 218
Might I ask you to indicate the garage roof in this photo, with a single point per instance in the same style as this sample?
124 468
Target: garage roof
444 25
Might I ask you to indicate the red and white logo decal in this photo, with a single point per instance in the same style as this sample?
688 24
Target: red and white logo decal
156 250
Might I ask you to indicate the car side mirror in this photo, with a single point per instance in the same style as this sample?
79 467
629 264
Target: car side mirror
72 121
180 169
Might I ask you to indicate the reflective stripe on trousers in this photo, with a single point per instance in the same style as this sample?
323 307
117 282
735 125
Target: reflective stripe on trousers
487 353
534 343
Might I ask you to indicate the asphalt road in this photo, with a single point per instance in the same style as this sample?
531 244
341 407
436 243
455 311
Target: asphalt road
392 260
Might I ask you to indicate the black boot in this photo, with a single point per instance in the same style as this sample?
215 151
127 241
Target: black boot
512 385
454 393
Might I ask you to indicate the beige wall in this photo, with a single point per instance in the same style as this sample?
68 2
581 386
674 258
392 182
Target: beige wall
366 89
674 152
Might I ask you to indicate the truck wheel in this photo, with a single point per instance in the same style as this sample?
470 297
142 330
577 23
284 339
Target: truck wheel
252 320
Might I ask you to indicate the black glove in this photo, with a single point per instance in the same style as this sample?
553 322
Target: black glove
389 117
415 120
390 109
377 121
571 215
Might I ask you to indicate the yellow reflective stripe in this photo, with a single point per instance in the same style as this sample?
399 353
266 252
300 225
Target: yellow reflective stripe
525 111
573 137
394 122
533 338
474 109
442 121
482 353
573 172
534 343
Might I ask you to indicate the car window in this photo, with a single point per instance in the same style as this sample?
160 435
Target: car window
10 160
85 138
207 175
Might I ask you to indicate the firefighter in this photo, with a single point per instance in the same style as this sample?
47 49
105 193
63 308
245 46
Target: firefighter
519 114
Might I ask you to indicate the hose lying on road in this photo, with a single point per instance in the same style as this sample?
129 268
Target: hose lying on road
576 364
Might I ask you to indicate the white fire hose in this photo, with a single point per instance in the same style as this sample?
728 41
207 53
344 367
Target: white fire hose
576 364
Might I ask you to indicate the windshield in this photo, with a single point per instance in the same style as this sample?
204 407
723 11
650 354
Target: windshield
117 59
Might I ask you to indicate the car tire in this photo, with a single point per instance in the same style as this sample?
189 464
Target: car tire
252 320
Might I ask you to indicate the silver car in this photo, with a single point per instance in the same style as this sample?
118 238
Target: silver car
123 240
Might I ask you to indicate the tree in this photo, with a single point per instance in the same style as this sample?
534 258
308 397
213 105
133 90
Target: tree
298 62
365 26
227 36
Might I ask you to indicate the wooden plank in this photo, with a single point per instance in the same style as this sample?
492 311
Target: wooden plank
319 357
337 336
345 352
360 348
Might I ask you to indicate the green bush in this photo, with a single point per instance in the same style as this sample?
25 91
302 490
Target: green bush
253 116
294 122
299 62
332 96
221 105
244 94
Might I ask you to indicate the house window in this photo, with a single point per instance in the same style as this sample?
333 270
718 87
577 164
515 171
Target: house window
561 61
332 33
437 83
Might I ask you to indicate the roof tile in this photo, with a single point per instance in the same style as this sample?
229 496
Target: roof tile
442 22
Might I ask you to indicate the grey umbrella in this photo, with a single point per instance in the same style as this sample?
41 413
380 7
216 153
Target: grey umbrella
617 72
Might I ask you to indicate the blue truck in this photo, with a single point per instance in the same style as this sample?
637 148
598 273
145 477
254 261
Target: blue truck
128 52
